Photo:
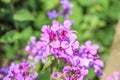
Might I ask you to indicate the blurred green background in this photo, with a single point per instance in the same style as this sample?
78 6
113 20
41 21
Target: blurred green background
94 20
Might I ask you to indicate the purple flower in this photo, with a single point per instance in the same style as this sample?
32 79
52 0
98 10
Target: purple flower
39 51
66 69
22 71
67 24
66 4
55 75
85 62
66 10
3 72
52 14
92 49
74 73
70 44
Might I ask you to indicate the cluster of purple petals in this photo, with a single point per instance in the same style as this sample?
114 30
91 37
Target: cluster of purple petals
74 73
21 71
59 40
3 72
66 10
71 73
39 50
81 61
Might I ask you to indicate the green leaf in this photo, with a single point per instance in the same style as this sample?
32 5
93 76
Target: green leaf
104 3
6 1
106 40
38 66
49 61
76 14
23 15
91 74
84 2
26 33
41 19
113 10
48 5
10 37
10 51
94 22
44 75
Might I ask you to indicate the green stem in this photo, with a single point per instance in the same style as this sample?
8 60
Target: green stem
13 11
51 69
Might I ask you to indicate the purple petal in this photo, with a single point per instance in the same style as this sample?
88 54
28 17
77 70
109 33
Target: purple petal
109 78
45 28
35 75
100 63
67 24
52 14
88 43
69 51
84 71
45 37
95 46
47 51
55 75
72 37
55 44
64 44
66 69
116 75
33 39
27 48
76 44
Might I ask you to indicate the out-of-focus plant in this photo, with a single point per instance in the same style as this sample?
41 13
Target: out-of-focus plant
20 19
116 76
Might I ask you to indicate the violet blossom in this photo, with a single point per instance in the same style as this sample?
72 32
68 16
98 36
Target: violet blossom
66 10
52 14
21 71
38 50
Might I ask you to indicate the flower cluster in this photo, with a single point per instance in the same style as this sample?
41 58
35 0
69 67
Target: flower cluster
59 40
84 58
22 71
66 10
81 61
